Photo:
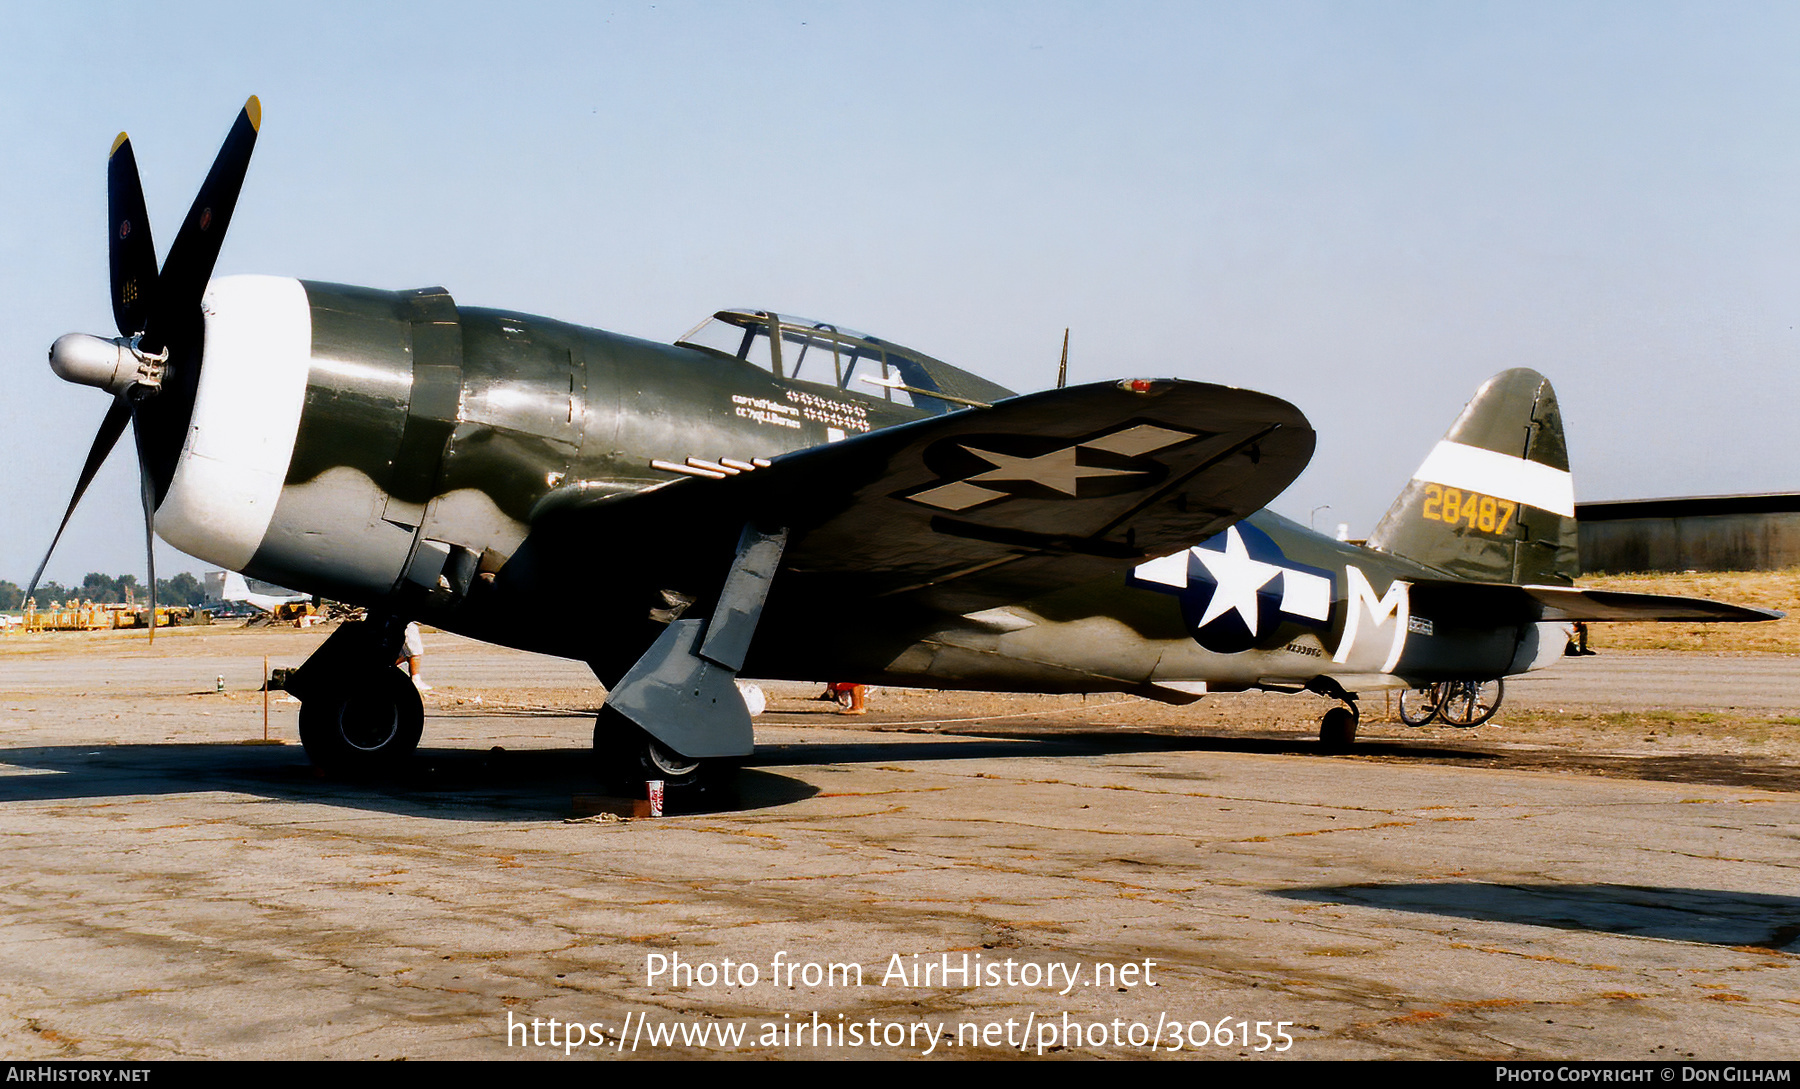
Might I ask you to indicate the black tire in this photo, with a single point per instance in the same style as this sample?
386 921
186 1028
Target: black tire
1418 706
370 725
1337 730
1470 703
629 757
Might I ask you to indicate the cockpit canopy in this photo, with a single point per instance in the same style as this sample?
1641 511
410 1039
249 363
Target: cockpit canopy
830 355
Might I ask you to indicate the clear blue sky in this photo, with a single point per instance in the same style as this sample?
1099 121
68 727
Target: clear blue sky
1365 208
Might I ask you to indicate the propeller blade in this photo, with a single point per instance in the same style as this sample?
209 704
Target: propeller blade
148 492
177 325
131 253
196 245
111 426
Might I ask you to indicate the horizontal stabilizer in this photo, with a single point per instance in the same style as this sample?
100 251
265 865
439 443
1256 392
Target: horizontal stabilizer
1486 604
1567 603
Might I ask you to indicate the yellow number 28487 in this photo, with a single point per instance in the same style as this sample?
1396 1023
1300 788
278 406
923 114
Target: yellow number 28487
1457 507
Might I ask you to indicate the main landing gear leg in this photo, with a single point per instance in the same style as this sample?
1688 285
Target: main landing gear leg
677 715
358 714
1337 730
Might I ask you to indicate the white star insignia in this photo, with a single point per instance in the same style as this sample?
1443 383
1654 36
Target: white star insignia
1239 578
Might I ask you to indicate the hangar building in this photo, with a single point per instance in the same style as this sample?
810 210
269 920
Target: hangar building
1691 533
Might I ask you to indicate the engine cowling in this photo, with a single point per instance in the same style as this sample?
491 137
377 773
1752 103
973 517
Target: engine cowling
342 441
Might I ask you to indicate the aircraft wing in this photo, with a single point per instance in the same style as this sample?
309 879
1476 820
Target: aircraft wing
1501 603
969 510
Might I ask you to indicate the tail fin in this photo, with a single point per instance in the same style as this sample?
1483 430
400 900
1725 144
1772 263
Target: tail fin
1493 501
234 588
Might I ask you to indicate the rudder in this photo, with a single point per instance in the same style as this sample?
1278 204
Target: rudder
1494 501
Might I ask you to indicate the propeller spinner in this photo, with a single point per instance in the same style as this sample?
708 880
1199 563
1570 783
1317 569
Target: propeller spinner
152 368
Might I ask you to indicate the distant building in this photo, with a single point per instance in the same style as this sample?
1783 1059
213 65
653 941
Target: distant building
1691 533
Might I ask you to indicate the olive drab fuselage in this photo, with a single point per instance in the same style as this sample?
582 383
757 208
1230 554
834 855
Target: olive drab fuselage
431 432
429 435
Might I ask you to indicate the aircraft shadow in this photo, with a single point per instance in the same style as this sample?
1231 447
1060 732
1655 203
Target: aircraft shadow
976 744
541 784
1712 916
454 784
1715 769
523 785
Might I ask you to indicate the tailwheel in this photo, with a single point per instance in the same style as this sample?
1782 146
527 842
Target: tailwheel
1418 706
368 724
629 757
1470 703
1337 729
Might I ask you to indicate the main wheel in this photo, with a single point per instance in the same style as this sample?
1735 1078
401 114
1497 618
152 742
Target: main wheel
368 725
1470 703
1337 730
629 757
1418 706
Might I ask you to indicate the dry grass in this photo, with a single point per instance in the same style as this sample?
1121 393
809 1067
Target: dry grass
1727 730
1769 589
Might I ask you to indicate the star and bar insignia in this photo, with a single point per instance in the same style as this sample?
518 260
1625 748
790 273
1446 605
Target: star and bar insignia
975 470
1237 589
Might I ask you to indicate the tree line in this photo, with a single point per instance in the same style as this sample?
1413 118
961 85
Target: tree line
182 589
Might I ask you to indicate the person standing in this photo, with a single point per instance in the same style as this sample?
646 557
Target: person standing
412 652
